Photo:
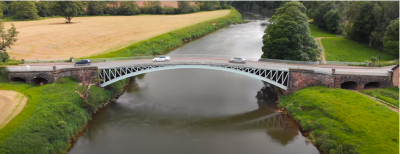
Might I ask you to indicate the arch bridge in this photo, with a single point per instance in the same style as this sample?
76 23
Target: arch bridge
279 78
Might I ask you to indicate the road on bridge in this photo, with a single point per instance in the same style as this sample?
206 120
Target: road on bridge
326 69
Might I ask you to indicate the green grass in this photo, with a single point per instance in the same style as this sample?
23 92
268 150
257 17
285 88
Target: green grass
316 32
11 62
343 120
168 41
390 95
342 49
54 113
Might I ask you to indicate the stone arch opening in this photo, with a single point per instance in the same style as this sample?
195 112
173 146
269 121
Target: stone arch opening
39 80
17 79
372 85
349 85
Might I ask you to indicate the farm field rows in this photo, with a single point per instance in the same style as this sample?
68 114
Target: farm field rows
53 39
11 103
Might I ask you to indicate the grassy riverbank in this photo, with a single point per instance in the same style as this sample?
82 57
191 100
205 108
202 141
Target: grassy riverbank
342 49
343 121
52 116
390 95
316 32
168 41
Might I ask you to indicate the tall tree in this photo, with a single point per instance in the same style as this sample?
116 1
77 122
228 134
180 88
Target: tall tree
288 37
129 8
96 7
391 39
184 6
8 37
44 8
26 10
332 20
363 23
67 9
319 13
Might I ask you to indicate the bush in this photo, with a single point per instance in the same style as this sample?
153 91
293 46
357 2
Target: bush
168 10
3 56
194 8
225 6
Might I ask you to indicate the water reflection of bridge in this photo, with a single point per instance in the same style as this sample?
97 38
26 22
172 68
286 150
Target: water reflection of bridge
273 120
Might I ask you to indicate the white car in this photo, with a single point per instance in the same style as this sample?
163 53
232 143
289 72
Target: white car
161 58
237 60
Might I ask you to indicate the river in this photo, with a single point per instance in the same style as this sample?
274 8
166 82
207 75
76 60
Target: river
198 111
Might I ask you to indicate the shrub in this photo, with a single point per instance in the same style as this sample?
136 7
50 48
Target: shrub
168 10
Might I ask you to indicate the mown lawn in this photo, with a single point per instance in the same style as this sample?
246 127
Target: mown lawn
316 32
342 49
390 95
344 121
52 115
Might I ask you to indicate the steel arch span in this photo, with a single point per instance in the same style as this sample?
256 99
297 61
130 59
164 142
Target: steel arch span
279 78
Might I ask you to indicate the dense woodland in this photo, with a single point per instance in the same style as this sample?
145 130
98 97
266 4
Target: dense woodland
375 23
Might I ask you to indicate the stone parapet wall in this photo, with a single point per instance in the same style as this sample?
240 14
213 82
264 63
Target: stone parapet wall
396 77
300 79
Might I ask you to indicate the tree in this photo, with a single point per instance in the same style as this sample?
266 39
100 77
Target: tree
152 7
207 5
96 7
363 23
319 13
7 40
288 37
44 8
184 6
67 9
391 38
26 10
112 9
129 8
332 20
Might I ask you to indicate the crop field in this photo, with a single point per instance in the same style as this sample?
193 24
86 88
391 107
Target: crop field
11 103
85 36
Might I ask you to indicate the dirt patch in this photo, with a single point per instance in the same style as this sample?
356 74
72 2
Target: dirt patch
53 39
11 103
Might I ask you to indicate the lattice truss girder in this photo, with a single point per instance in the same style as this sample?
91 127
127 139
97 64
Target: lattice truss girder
278 76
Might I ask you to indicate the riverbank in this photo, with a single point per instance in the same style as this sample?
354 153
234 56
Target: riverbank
166 42
53 115
343 121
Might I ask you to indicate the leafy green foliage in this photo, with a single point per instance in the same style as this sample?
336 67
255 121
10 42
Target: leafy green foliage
391 39
344 121
390 95
129 8
364 23
184 6
44 8
7 39
3 73
47 122
168 41
207 5
96 7
288 37
67 9
332 19
26 10
342 49
319 13
316 32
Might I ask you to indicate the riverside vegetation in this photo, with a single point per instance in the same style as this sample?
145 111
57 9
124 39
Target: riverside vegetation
52 117
166 42
390 95
343 121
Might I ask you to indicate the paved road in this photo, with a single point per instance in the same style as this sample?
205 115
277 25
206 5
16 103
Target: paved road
326 69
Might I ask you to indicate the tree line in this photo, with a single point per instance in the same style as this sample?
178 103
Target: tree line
375 23
25 10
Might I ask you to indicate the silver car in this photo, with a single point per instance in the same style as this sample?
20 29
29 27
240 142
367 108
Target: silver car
237 60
